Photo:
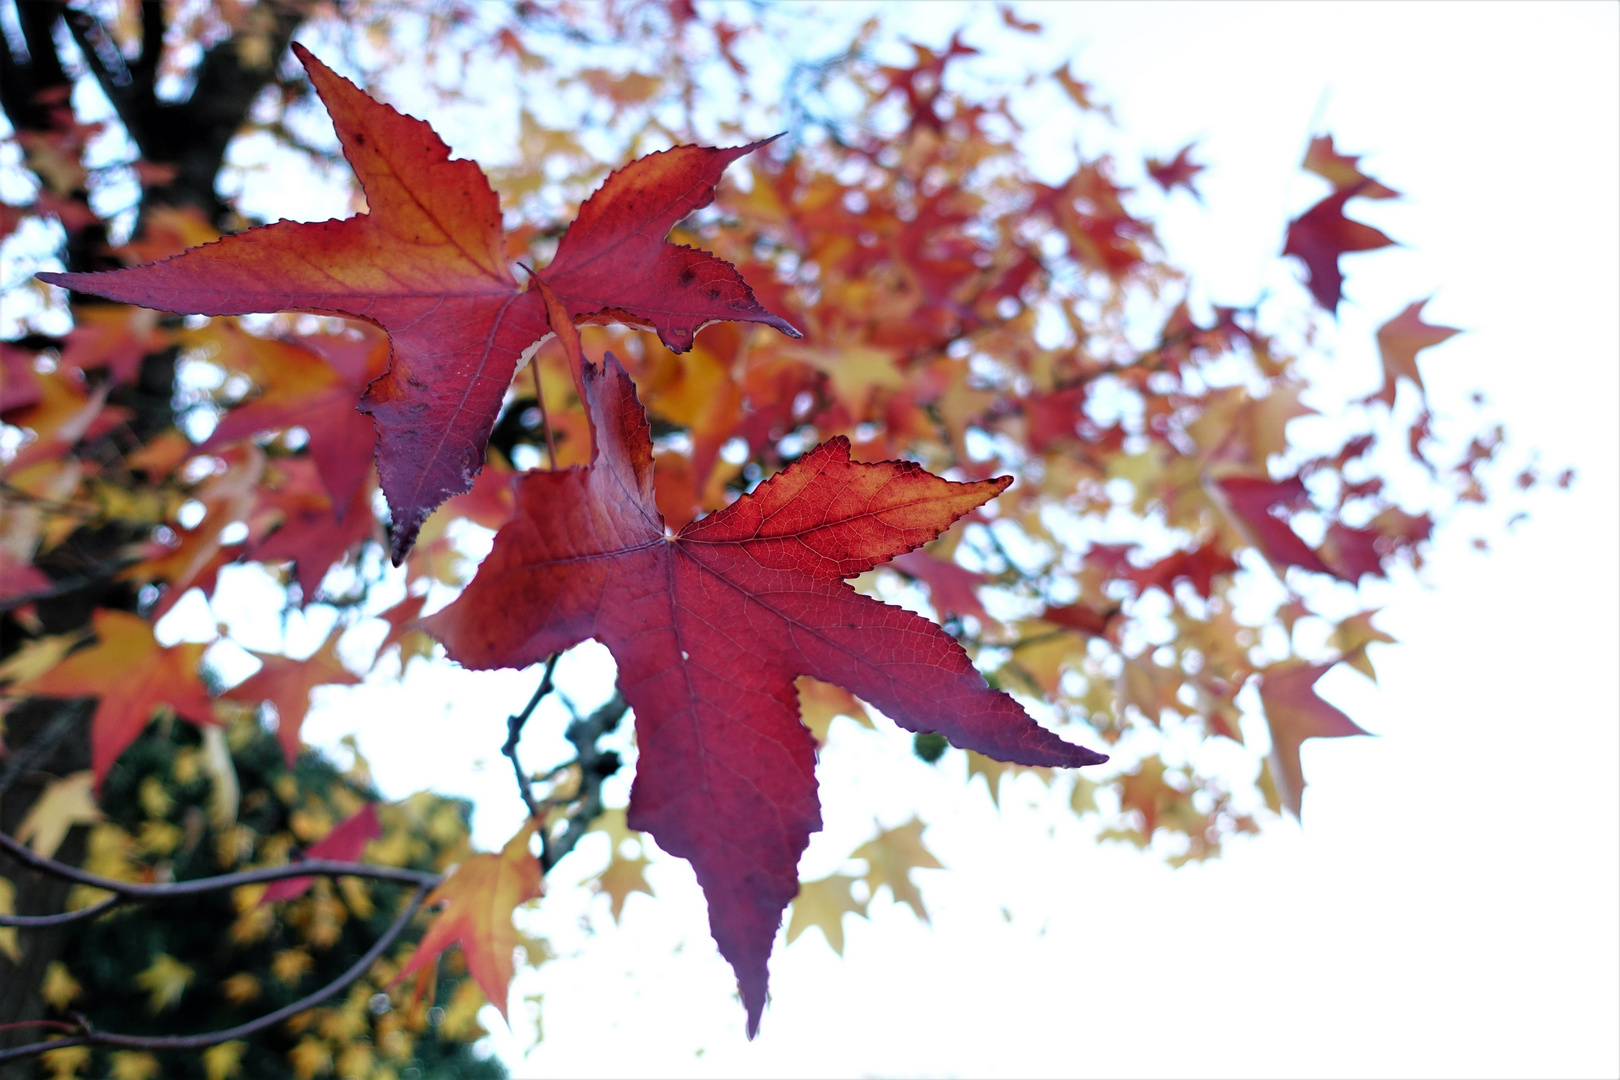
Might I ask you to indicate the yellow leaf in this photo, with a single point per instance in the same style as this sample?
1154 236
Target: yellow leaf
64 803
223 1061
356 1060
37 657
59 987
241 988
820 703
8 934
891 856
290 965
65 1063
621 878
310 1058
134 1065
164 981
991 770
823 904
1352 636
460 1020
224 793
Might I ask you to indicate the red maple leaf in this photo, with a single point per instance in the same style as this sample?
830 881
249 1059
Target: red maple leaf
1254 503
952 589
345 843
1294 713
288 683
1321 234
313 535
428 264
710 628
1352 552
1198 567
1179 170
313 382
132 675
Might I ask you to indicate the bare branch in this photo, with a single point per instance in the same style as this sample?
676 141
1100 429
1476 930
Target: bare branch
91 1037
595 766
514 731
130 892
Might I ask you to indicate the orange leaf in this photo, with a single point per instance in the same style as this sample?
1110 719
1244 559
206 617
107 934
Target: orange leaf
288 683
479 899
132 675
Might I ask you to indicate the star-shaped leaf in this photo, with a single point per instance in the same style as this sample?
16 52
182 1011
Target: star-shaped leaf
428 264
710 629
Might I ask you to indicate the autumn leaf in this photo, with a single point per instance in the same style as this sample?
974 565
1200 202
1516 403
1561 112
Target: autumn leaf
1343 171
1352 636
287 684
890 858
823 905
345 843
952 589
314 382
1198 567
1254 503
133 676
64 803
428 264
164 981
711 627
1399 342
1321 234
820 703
1294 713
622 877
1177 172
113 336
479 899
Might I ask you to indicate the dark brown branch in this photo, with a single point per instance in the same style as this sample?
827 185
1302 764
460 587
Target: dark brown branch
595 766
91 1037
514 732
130 892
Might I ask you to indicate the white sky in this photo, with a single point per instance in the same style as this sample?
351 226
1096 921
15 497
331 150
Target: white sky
1451 905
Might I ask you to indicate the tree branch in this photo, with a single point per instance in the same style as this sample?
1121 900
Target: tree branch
131 892
595 766
91 1037
514 731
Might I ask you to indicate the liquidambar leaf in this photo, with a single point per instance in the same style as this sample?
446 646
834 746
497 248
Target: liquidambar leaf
132 675
710 629
428 265
1321 234
479 898
1294 713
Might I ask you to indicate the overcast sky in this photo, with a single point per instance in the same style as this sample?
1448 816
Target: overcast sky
1451 905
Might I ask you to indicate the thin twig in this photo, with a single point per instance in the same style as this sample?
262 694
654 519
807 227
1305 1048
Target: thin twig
131 892
595 766
214 1038
62 918
514 732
